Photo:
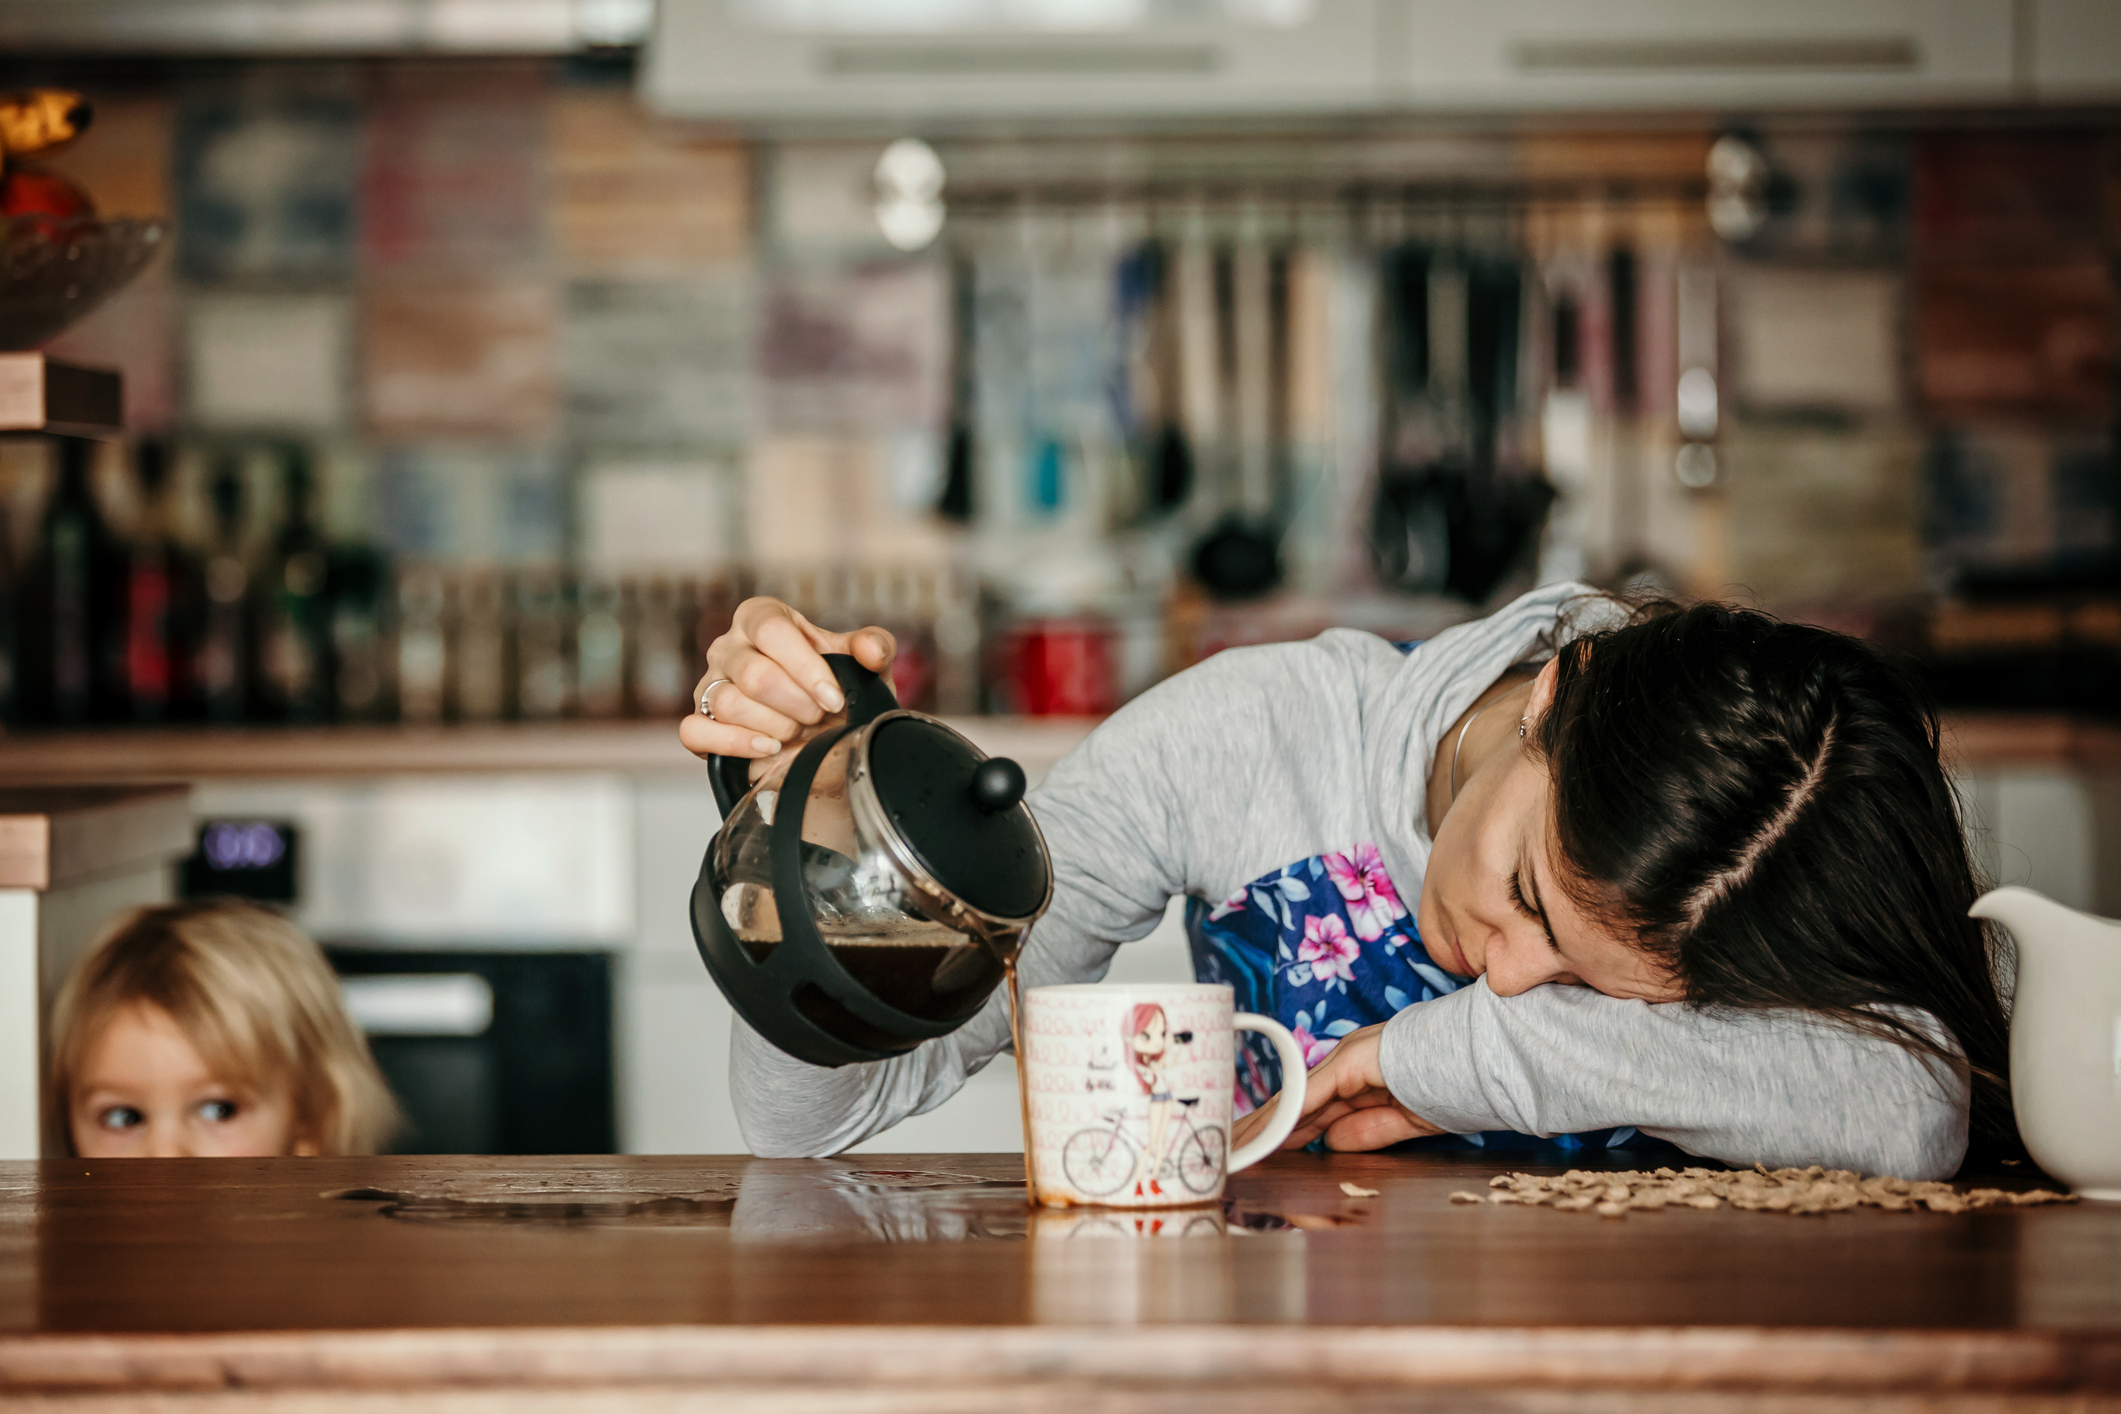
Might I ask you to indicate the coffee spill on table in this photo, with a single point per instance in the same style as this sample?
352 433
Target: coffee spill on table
559 1209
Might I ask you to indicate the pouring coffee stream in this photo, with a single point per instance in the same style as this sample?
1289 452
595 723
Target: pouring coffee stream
871 893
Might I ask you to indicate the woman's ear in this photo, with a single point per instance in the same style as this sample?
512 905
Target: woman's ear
1542 696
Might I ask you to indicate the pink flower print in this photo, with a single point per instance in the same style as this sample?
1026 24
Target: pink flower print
1328 948
1314 1049
1373 903
1228 906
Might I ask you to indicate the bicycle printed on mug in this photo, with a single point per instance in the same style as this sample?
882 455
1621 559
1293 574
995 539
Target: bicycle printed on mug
1103 1160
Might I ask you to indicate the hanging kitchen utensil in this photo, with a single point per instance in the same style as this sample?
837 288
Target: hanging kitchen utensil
1446 518
956 503
1171 457
1410 542
867 895
1240 556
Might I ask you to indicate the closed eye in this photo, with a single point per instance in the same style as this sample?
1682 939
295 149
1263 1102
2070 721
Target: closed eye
1530 910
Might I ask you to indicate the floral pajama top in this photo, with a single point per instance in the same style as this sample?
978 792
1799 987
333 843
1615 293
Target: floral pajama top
1326 946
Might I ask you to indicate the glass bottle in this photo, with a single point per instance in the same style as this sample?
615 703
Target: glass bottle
295 641
600 651
423 646
482 651
222 663
544 683
71 611
357 577
663 633
161 583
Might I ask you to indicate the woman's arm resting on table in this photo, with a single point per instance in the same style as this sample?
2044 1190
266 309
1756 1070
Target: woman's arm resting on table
1779 1088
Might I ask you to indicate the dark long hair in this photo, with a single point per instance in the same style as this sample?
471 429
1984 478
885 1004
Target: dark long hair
1766 805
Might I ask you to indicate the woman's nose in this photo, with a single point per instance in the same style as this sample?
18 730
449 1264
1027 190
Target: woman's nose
1514 970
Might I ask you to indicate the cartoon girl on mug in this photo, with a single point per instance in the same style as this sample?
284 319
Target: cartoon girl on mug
1148 1039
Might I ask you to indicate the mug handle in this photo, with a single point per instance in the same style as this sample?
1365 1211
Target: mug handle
1288 1108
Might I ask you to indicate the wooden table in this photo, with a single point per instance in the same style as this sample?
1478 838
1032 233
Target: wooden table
878 1285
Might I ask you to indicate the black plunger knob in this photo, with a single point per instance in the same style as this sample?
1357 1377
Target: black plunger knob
997 784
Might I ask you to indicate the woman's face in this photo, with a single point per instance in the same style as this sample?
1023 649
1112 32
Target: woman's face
144 1091
1491 902
1149 1041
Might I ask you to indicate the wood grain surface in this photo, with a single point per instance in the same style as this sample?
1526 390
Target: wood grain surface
634 748
887 1283
58 835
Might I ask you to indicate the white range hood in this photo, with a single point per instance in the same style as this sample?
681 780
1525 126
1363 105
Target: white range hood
938 60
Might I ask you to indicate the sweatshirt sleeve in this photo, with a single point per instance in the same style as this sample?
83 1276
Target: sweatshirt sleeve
1779 1088
1123 838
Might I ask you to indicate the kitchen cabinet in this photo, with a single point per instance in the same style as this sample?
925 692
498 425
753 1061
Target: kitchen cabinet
733 59
2075 49
1714 54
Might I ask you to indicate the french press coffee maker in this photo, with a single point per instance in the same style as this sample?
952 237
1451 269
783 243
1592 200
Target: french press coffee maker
868 895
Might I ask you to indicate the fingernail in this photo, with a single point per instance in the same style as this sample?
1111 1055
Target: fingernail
765 745
828 696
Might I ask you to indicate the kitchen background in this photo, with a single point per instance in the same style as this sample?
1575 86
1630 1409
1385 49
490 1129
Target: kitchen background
476 385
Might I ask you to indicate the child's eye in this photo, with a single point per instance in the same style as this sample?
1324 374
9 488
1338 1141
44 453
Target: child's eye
121 1117
217 1111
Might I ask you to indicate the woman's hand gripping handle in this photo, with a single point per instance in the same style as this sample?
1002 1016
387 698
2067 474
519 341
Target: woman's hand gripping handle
1268 1135
1345 1099
767 685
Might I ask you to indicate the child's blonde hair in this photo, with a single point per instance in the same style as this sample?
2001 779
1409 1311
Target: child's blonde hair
253 995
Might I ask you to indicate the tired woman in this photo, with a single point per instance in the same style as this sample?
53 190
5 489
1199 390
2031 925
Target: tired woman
1685 873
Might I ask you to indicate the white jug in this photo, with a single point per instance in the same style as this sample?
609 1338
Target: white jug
2065 1038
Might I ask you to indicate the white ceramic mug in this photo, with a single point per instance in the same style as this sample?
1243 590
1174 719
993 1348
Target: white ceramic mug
1129 1093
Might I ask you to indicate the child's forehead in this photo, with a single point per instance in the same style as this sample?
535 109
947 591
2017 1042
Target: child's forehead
140 1035
141 1043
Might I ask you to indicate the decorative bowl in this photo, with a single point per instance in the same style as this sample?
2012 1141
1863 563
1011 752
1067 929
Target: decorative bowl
54 272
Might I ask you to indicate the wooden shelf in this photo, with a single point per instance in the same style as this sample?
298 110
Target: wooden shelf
39 394
1992 740
118 755
54 836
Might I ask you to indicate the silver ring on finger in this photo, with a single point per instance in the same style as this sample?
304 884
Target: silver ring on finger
707 698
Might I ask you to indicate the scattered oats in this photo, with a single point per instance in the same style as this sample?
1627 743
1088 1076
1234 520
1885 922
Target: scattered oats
1811 1191
1356 1190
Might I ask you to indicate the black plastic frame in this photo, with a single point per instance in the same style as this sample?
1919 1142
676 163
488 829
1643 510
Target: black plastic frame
763 993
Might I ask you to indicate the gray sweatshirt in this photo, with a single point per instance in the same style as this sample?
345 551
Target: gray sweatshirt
1263 756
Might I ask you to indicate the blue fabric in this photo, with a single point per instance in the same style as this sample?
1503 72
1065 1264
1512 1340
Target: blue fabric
1325 946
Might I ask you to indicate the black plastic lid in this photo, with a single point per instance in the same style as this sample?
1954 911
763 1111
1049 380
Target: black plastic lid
928 780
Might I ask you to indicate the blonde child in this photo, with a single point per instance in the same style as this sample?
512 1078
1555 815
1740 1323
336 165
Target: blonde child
201 1029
